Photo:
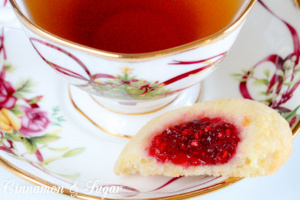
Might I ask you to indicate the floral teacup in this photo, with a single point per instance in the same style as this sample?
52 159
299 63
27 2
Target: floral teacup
132 82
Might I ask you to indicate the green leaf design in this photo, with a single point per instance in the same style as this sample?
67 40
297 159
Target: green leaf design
297 68
17 111
45 139
50 160
261 82
58 149
240 79
236 75
61 119
36 100
291 83
23 87
55 110
8 67
280 73
56 124
263 93
267 101
251 71
70 176
30 145
13 137
19 158
289 116
287 68
267 73
73 152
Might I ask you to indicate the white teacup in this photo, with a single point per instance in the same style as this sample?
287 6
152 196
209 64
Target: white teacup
132 83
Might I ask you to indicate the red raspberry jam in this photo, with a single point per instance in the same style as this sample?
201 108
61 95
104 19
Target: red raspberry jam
206 141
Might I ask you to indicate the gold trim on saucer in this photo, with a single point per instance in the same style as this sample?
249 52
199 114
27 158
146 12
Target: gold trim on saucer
40 182
133 57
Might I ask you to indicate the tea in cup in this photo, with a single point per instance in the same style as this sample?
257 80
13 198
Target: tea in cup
133 56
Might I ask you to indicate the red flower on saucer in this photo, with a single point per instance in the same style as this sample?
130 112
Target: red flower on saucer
33 122
7 100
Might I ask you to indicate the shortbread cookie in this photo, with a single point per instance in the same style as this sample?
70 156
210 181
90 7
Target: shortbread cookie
228 137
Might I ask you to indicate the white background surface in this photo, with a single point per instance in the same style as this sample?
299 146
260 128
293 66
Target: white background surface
284 185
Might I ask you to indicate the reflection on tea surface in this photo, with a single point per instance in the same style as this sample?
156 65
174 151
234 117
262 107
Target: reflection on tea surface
133 26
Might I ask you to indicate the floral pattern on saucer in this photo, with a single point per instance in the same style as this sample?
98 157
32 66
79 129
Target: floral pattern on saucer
278 83
24 123
96 161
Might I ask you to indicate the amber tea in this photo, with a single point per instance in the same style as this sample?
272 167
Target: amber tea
133 26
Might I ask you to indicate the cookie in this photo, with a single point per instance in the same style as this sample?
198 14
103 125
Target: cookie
227 137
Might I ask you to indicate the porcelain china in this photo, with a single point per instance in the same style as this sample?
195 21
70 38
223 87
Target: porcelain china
47 139
155 78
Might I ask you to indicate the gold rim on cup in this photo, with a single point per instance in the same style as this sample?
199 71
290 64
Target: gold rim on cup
133 57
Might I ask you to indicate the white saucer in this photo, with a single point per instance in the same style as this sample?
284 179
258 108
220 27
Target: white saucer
65 146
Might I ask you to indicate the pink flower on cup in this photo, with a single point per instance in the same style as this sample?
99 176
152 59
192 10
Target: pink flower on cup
33 122
7 100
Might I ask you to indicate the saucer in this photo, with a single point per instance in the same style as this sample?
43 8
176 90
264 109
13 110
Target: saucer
57 145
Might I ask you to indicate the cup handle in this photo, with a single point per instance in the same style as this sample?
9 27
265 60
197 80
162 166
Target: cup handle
7 16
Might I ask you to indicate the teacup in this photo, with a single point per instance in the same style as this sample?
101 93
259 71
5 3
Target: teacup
132 83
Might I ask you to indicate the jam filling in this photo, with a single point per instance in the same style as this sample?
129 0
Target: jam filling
205 141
